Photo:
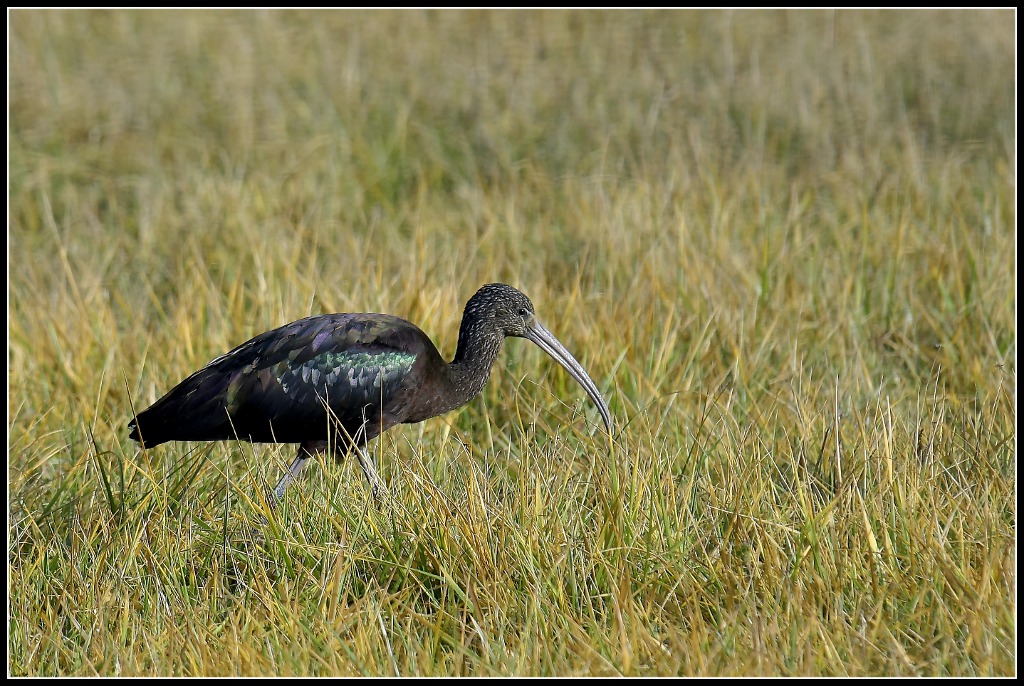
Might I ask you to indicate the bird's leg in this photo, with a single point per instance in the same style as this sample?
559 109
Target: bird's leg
306 451
370 470
358 443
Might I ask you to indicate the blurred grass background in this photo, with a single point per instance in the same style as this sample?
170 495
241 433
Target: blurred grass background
783 244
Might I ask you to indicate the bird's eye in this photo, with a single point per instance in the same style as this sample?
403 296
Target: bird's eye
523 312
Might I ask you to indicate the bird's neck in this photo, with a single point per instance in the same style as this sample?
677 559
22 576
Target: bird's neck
478 349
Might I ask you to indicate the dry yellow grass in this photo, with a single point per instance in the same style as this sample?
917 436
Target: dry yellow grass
783 243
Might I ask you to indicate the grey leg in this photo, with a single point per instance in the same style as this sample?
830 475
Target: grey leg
290 474
370 470
306 451
310 448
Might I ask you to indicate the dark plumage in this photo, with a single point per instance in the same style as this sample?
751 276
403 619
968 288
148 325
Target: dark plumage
342 379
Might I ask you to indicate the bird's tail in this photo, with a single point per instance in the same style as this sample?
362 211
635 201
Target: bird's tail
150 429
146 437
181 416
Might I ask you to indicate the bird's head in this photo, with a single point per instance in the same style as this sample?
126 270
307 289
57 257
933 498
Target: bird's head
504 309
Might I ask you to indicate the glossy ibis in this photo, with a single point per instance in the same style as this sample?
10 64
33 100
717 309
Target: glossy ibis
340 380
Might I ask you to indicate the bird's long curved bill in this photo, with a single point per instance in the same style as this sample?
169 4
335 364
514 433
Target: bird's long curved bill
549 344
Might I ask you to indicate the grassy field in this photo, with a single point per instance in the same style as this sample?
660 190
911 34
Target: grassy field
783 244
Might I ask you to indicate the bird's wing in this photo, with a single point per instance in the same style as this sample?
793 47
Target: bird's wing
276 386
350 364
